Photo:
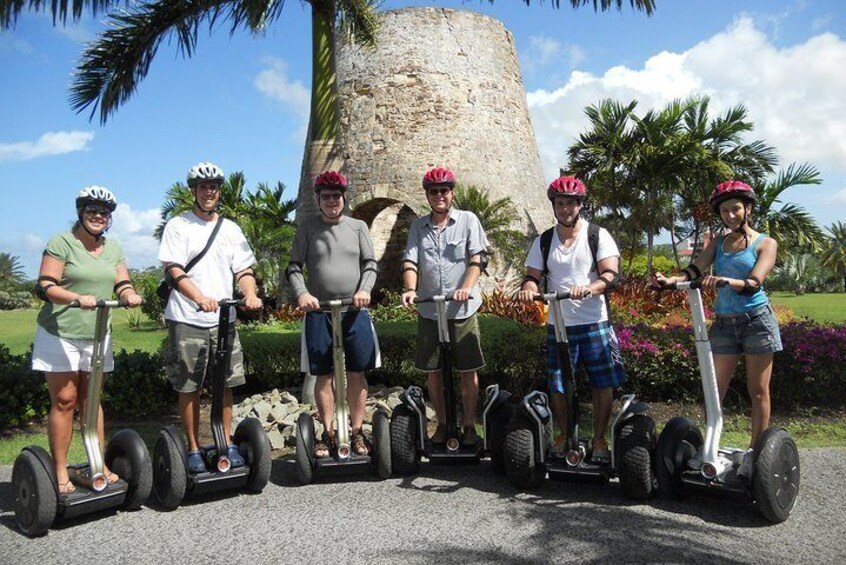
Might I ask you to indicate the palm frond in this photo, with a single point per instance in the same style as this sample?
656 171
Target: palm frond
60 9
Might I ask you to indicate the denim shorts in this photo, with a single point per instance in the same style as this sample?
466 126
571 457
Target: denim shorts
361 348
593 345
755 333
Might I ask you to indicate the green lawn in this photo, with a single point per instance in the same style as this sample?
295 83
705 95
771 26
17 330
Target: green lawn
17 329
823 307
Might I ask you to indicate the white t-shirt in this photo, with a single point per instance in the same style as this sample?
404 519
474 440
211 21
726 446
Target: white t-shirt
183 239
571 266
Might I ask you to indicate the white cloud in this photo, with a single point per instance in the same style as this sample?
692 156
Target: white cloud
11 44
51 143
794 95
838 197
33 243
544 50
134 230
275 84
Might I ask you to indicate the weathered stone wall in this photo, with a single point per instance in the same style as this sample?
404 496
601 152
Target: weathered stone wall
441 88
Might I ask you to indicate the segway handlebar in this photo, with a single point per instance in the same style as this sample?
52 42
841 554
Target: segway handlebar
224 302
336 302
694 284
447 298
550 296
103 304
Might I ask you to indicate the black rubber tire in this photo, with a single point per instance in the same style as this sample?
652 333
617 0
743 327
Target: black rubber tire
635 448
497 425
304 455
170 478
34 490
382 444
128 456
775 482
254 446
520 453
677 443
405 460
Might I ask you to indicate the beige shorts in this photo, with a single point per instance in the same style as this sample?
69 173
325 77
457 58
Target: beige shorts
189 349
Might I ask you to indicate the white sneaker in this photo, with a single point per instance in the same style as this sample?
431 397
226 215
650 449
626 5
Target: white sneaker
747 467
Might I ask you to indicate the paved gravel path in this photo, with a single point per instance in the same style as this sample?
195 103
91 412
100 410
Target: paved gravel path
448 515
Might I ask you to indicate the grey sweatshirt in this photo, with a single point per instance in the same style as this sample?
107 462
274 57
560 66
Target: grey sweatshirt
338 257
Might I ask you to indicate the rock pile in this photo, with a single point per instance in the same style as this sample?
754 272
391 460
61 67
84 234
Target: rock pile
278 411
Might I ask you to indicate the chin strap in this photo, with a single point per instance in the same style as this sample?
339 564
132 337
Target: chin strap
205 214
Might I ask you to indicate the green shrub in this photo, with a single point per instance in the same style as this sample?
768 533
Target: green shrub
23 394
138 386
659 264
15 300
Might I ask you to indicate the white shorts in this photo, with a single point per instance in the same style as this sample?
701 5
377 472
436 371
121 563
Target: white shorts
54 354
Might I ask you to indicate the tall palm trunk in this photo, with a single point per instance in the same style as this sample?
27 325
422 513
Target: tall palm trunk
321 150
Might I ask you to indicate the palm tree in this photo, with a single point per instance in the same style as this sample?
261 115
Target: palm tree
496 216
11 270
791 225
834 254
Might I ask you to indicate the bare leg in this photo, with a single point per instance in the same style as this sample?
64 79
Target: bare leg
101 429
603 398
469 396
759 369
189 409
558 403
356 397
324 396
436 395
63 398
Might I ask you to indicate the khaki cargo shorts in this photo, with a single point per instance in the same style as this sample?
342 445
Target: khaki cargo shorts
189 349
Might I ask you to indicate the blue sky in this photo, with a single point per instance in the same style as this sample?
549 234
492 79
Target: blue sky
242 102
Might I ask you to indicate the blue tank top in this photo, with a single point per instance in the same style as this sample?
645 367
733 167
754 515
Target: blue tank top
737 266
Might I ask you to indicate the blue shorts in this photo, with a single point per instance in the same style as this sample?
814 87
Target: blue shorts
360 347
753 333
593 345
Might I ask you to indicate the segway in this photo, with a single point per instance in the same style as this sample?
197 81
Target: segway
529 435
34 484
172 480
774 486
409 439
344 460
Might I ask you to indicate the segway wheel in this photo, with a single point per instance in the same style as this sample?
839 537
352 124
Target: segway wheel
127 455
253 444
677 443
305 448
170 477
775 482
35 493
382 444
497 425
635 446
520 453
404 429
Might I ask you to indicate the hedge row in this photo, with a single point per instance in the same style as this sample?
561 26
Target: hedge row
661 364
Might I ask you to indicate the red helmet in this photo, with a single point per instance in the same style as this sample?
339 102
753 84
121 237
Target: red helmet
728 190
439 177
330 179
566 186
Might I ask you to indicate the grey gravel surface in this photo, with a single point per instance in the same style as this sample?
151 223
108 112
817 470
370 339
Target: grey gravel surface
447 514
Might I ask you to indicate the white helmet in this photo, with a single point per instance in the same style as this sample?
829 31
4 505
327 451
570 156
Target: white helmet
96 195
204 172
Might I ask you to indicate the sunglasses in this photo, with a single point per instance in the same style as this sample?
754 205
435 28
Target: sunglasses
331 196
96 210
438 191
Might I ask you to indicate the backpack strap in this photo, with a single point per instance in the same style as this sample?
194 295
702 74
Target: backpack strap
545 245
593 243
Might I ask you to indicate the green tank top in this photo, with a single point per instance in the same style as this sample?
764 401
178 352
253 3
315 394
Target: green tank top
84 273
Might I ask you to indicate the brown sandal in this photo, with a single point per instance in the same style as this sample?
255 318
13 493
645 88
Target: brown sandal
66 488
359 443
324 447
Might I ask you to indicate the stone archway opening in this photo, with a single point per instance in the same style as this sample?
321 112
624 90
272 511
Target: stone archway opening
388 220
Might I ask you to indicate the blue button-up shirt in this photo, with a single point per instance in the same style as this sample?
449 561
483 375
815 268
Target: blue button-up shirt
442 256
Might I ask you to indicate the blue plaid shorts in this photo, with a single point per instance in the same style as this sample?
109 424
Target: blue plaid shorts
593 345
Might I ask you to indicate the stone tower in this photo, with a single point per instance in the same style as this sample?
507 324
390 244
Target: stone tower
441 88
